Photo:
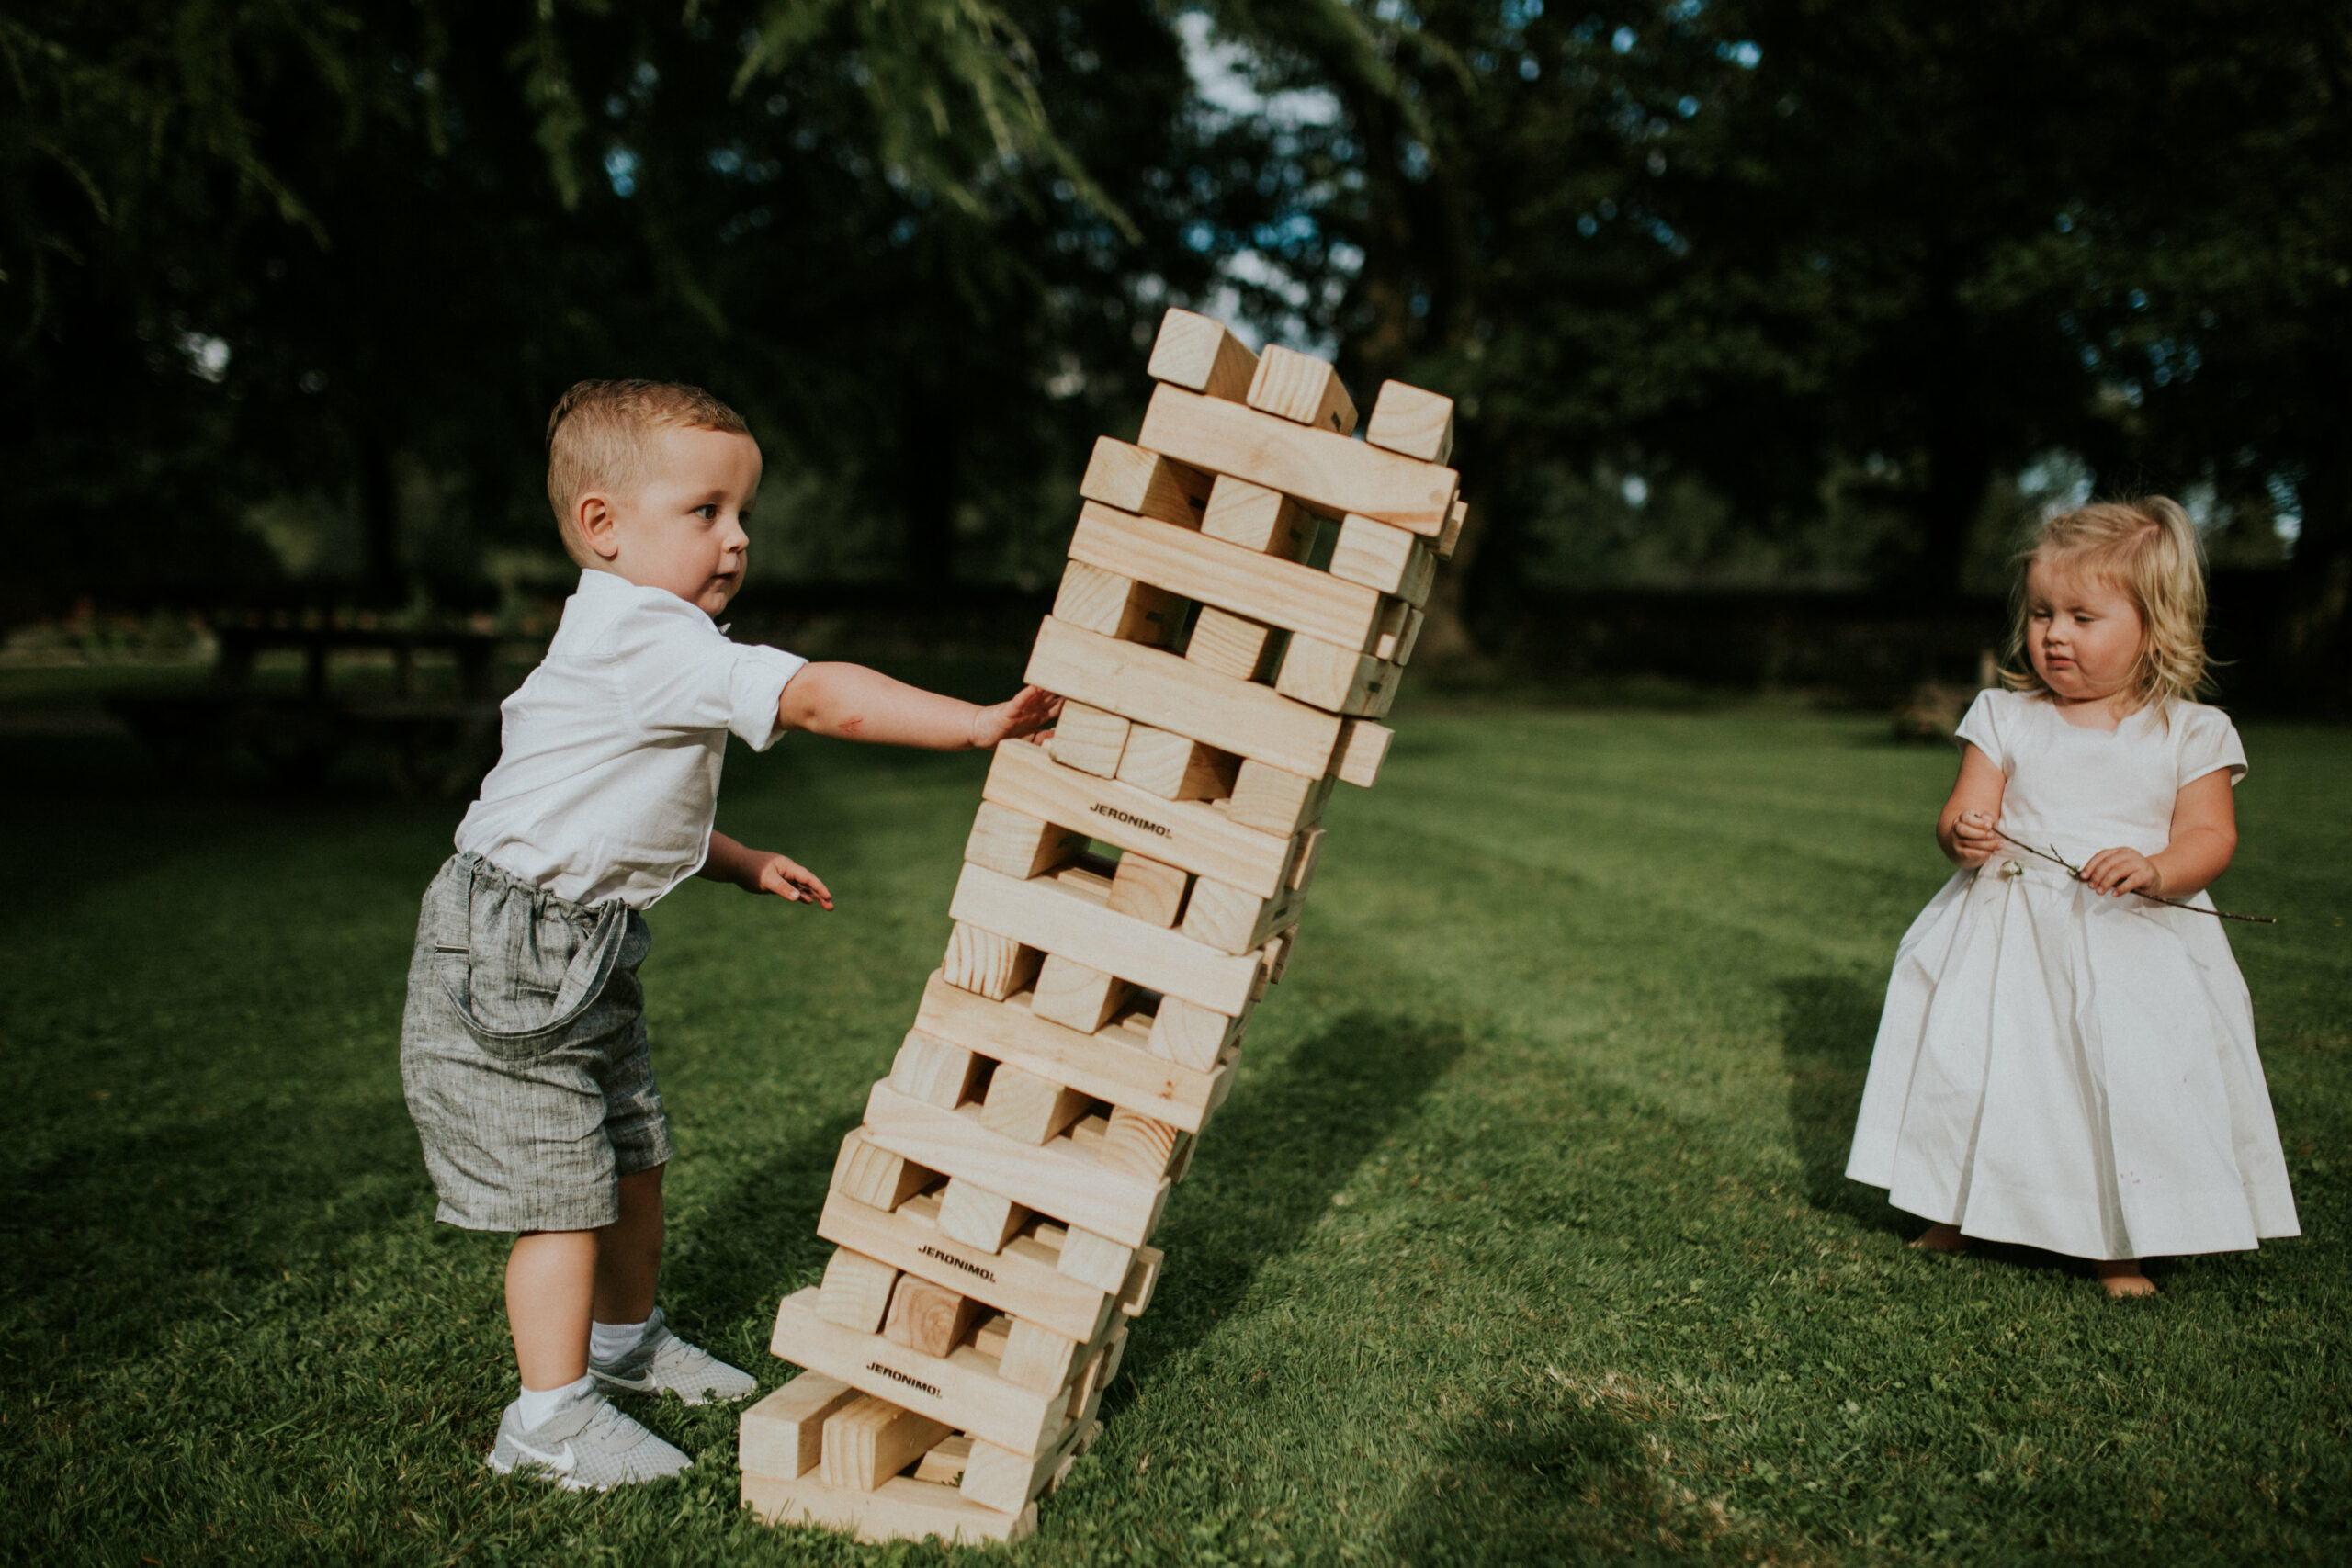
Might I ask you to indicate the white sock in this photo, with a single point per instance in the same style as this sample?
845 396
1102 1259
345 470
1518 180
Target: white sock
537 1405
608 1341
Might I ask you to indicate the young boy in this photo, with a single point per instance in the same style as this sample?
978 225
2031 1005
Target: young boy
524 1051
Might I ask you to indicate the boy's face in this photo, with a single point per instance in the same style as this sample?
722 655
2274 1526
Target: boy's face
682 528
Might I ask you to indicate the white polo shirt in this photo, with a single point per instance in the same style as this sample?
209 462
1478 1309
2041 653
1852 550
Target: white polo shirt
608 775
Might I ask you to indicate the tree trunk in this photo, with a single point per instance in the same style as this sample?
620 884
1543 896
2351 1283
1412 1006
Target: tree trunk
930 481
379 521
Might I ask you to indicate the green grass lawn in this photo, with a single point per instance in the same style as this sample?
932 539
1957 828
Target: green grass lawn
1521 1239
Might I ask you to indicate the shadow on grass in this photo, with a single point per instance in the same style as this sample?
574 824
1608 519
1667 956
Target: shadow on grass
1830 1024
758 1244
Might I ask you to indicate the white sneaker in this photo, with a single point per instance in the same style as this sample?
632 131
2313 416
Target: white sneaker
587 1446
664 1364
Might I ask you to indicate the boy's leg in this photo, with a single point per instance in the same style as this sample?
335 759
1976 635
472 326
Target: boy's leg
628 1253
632 1350
550 1286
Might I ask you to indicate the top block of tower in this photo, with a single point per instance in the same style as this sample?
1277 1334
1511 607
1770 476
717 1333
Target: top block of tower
1408 421
1303 389
1198 355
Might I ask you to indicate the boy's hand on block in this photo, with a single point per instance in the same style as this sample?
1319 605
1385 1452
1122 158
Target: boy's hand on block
1028 713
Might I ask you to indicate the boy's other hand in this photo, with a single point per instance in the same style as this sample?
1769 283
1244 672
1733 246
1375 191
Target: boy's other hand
787 879
1028 711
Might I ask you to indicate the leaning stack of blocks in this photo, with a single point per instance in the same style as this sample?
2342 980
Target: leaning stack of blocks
1243 588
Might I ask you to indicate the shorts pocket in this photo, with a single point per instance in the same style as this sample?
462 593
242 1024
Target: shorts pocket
502 981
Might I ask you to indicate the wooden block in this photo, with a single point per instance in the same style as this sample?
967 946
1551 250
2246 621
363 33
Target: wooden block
1184 1160
977 1217
856 1290
1022 1106
1071 994
1363 747
1402 654
877 1177
1310 853
1096 1260
1215 571
1381 556
1324 469
1138 1144
1197 353
1143 1278
1052 914
1086 1132
869 1441
1037 1358
1018 845
1057 1178
1261 521
1021 1277
935 1072
1448 537
1086 739
943 1465
1301 387
1409 421
1174 768
1201 838
1400 630
988 963
1118 606
1114 1063
1332 679
1278 949
989 1337
1192 1036
928 1318
901 1508
784 1434
1161 690
1232 920
1148 890
1233 645
1144 482
1272 801
1004 1481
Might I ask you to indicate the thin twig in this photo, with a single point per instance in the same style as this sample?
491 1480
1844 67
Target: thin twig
2076 872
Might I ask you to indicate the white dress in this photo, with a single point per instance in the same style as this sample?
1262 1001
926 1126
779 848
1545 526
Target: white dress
2066 1070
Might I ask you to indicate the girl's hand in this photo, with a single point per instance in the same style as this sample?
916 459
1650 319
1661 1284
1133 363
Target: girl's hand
1973 838
767 872
1027 712
2123 871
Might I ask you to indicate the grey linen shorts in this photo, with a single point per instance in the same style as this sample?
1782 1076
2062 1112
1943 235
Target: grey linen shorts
523 1056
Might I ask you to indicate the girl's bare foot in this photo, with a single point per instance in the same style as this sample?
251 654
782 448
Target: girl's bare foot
1940 1238
2122 1278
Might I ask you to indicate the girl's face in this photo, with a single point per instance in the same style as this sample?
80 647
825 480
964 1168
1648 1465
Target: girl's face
2082 633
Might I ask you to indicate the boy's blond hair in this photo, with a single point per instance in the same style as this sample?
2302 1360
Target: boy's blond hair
2149 551
596 439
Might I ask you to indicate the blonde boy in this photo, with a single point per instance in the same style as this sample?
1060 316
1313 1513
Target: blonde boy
524 1052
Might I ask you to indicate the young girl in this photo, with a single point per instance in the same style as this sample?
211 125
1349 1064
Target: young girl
2062 1063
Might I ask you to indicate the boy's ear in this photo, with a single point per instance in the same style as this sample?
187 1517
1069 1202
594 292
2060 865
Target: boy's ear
592 514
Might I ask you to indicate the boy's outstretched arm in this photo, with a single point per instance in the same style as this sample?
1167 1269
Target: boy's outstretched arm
852 703
763 870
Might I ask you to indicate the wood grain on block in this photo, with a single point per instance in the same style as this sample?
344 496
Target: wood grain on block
1037 1358
1086 739
1363 747
1144 482
1212 571
1057 1178
856 1290
1001 1480
988 963
943 1465
1263 522
1028 1107
901 1508
1233 921
1143 1278
1105 600
989 1337
1079 928
1197 353
1384 556
935 1072
1303 389
978 1218
1198 837
1114 1064
1233 645
869 1441
1321 468
876 1175
1331 678
1272 800
1449 538
1310 854
927 1317
1137 1145
1192 1036
1148 890
1071 994
1021 1277
1018 845
1161 690
1172 767
784 1434
1096 1260
1409 421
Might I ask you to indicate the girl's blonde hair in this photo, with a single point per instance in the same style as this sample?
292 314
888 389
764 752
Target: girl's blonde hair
2149 550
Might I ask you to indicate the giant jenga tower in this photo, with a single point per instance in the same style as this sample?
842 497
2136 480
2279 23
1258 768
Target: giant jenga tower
1243 588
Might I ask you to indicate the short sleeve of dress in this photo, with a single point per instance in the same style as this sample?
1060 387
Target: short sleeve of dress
1980 726
680 675
2204 741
